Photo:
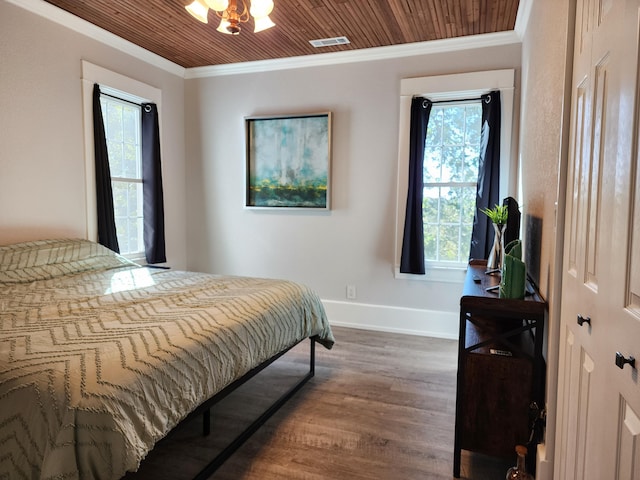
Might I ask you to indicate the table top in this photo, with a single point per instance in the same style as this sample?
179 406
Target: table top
476 297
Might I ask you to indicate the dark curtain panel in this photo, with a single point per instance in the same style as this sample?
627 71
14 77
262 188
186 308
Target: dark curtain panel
104 194
488 176
152 186
412 258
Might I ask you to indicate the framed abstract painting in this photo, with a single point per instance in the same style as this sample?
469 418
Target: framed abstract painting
288 161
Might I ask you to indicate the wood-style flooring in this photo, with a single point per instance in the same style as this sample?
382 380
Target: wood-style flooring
380 407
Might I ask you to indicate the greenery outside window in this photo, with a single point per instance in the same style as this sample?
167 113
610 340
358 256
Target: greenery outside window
450 174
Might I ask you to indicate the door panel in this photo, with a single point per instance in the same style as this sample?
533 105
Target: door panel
633 263
599 416
580 152
592 174
628 465
569 380
584 412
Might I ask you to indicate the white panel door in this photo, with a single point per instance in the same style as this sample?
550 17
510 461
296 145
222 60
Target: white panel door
598 433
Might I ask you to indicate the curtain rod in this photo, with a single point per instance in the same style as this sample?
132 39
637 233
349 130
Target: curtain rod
453 100
121 99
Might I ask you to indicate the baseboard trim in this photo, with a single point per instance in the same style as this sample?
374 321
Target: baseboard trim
384 318
544 467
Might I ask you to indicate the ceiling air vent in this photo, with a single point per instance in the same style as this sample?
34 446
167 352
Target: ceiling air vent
329 42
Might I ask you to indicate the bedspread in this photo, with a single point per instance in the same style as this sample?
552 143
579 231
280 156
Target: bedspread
100 358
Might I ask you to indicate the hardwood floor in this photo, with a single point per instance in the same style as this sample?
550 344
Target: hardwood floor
381 406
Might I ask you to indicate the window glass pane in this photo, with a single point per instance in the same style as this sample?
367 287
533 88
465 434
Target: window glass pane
432 157
131 234
116 160
473 119
113 125
431 242
450 210
453 126
468 204
130 162
129 125
122 128
431 204
453 161
131 200
450 174
120 200
449 249
121 233
434 129
470 165
465 241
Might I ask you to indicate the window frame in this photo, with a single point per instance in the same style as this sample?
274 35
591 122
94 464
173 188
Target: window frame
451 88
127 89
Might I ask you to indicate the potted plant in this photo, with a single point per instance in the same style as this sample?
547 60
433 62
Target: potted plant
498 216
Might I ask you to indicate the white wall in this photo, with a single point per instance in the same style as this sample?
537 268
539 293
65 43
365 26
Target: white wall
547 53
42 176
354 242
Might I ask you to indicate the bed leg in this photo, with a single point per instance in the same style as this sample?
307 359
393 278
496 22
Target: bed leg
312 357
206 422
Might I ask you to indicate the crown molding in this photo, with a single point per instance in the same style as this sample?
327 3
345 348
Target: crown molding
77 24
522 17
360 55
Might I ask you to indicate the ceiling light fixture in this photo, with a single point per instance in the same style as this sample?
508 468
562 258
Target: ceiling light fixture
234 12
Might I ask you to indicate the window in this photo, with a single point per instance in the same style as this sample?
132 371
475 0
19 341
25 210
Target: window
450 171
123 138
122 130
452 149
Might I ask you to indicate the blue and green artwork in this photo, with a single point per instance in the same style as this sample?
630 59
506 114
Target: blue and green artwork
288 164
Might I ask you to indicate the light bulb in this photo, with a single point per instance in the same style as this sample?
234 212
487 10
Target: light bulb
222 28
198 10
261 8
218 5
262 23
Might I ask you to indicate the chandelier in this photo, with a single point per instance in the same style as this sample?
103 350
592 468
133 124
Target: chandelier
234 12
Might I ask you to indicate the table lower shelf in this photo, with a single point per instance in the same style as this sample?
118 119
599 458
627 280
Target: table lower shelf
496 396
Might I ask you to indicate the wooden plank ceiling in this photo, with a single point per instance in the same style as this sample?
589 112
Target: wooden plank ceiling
165 28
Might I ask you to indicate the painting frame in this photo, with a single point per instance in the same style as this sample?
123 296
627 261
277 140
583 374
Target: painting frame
288 161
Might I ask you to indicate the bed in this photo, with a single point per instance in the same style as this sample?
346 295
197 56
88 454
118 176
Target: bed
100 357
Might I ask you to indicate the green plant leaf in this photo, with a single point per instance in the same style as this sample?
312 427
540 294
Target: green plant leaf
497 214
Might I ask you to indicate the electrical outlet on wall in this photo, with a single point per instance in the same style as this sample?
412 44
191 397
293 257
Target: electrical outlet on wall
351 292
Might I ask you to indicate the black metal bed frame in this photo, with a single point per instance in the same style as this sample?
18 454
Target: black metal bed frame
205 408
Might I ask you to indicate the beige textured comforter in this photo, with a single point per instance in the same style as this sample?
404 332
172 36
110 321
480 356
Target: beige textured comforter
100 358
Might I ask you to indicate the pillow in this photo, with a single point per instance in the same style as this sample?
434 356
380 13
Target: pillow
44 259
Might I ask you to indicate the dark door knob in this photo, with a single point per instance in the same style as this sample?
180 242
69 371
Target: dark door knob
582 320
621 360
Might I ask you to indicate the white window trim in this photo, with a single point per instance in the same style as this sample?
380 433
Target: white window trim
121 86
452 87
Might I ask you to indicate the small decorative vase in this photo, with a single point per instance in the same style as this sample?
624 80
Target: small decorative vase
519 472
496 255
